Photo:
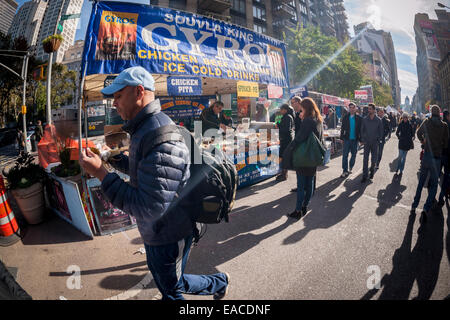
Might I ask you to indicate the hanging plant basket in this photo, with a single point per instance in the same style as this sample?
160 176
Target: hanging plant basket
52 43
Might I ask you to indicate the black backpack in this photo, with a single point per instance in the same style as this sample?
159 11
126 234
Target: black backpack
209 193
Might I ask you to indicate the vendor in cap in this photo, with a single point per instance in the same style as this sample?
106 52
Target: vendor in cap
213 118
156 175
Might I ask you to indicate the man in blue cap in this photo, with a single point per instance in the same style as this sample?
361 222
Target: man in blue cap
155 177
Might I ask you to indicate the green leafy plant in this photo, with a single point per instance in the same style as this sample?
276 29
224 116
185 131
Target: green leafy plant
25 173
53 36
67 167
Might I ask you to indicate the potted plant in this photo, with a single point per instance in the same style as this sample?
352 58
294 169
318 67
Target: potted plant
52 43
25 180
67 168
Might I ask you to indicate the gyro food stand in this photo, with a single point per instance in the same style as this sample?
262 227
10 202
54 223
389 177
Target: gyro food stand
194 61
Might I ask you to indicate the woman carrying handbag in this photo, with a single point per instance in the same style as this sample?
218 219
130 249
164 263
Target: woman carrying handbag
304 154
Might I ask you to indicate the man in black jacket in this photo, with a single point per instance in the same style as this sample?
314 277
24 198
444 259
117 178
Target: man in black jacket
350 134
295 103
213 118
386 132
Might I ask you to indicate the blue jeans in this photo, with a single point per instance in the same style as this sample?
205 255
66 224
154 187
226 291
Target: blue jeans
349 146
429 166
401 159
167 264
304 191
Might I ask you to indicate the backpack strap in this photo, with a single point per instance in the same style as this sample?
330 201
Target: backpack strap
168 133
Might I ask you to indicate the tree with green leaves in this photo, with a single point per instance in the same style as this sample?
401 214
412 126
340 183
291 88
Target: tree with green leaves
63 85
308 54
11 86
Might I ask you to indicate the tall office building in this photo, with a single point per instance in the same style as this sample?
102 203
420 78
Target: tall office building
433 44
49 25
275 18
340 20
7 11
376 49
27 21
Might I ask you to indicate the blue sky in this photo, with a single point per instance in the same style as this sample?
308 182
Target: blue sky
394 16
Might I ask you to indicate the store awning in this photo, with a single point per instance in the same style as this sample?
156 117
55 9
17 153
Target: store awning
211 86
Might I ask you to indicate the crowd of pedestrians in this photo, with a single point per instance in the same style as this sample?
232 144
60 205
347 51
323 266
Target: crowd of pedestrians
157 174
371 132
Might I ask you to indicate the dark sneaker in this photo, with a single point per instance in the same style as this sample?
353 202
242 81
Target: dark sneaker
304 211
371 174
294 189
281 178
296 215
220 295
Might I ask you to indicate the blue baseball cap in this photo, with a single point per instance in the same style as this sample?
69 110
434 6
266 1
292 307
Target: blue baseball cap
133 76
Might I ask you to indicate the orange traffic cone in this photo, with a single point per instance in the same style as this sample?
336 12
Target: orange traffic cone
9 229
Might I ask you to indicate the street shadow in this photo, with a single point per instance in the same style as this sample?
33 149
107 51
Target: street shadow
389 197
326 212
421 264
123 282
393 165
53 230
253 189
225 241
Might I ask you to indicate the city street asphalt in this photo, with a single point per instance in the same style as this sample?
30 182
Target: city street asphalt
355 236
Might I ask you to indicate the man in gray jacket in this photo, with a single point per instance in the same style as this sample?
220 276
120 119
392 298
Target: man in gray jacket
155 177
371 135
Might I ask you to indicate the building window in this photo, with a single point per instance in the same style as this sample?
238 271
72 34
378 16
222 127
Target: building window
259 13
239 5
259 28
239 20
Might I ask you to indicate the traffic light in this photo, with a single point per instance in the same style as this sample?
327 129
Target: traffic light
40 72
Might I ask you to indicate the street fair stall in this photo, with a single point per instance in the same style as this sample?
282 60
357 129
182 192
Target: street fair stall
339 105
194 61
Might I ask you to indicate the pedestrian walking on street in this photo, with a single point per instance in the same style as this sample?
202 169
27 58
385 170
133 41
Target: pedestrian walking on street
155 178
351 135
38 132
295 103
312 122
405 135
331 119
445 186
20 140
414 123
433 134
286 128
391 118
386 133
371 135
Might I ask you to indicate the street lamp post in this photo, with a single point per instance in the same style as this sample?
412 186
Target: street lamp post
49 70
24 106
